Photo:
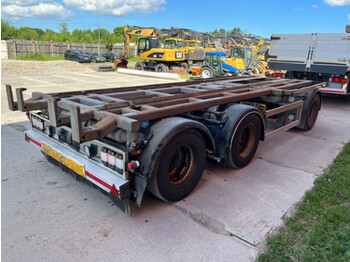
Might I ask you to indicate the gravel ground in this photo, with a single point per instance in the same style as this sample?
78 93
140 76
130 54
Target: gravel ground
20 67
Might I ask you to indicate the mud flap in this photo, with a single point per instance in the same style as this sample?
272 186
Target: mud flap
139 184
122 204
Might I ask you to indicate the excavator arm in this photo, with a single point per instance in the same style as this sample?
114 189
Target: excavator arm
128 32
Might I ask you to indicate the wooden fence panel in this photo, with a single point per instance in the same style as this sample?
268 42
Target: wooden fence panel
23 47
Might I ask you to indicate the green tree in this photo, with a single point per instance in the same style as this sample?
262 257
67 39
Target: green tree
49 35
7 31
119 33
27 33
222 31
236 31
86 37
76 36
40 32
64 34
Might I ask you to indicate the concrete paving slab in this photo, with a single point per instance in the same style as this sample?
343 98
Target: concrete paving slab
251 201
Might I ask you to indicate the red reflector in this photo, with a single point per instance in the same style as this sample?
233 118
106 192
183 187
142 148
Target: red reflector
115 192
278 75
339 80
26 137
29 139
27 113
131 166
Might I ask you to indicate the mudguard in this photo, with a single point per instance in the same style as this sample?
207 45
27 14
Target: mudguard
307 98
234 114
158 134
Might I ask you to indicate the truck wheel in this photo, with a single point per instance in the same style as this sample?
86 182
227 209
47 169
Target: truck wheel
161 68
206 72
244 141
179 166
311 113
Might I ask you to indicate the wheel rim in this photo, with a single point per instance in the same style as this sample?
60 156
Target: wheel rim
180 166
246 141
206 73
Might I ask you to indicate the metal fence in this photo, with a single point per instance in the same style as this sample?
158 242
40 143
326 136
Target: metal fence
17 48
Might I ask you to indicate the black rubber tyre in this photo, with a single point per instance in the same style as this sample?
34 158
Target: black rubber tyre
161 68
139 66
178 167
207 72
311 113
244 141
184 65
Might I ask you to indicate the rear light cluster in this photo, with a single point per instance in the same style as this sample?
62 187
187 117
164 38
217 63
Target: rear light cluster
339 80
278 75
38 123
112 159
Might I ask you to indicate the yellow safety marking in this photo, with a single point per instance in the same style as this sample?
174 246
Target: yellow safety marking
77 168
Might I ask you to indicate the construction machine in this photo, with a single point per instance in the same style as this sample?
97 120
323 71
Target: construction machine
215 66
149 40
157 58
249 57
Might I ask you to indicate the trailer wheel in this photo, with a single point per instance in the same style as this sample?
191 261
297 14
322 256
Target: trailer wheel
139 66
179 166
311 113
161 68
244 141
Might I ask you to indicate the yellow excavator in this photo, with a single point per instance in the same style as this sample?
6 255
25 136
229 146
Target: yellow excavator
214 47
149 33
155 57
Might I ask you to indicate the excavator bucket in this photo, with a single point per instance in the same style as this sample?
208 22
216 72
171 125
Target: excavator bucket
121 63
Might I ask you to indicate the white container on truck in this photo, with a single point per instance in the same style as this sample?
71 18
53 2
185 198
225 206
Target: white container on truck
317 57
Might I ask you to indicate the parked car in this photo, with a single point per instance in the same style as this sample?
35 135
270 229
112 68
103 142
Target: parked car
76 55
96 58
111 56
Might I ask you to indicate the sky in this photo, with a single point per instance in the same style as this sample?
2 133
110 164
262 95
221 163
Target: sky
258 17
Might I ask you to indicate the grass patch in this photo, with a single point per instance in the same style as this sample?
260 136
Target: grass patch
39 57
135 59
320 229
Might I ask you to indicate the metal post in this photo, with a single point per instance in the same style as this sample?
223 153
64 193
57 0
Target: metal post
99 38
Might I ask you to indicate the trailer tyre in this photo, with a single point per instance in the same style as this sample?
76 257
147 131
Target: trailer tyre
244 141
311 113
179 166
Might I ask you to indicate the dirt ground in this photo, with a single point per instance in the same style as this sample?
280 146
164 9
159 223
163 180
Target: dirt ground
26 67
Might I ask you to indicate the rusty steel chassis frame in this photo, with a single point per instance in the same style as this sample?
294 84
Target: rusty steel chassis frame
125 108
